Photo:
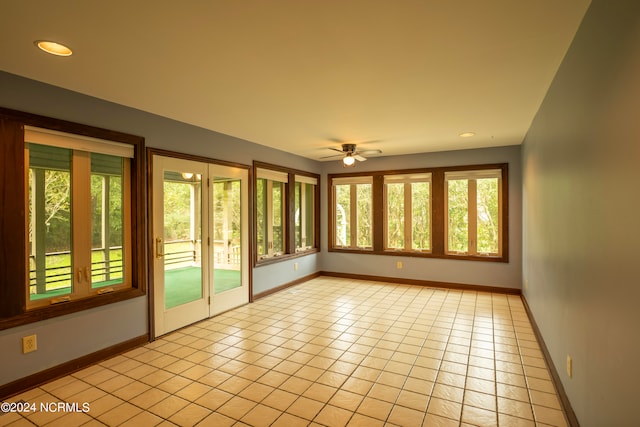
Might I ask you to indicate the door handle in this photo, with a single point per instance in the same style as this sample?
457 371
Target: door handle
159 247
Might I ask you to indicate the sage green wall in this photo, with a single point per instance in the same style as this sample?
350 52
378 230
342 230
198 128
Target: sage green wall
581 172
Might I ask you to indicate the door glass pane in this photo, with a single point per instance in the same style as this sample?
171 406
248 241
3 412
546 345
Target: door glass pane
458 215
50 219
182 238
107 233
227 238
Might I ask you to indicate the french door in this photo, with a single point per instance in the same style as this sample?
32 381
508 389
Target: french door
200 241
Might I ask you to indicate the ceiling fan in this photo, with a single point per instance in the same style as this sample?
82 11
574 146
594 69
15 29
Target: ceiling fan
350 154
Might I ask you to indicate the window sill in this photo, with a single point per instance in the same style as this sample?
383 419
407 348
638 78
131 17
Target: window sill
418 254
284 257
51 311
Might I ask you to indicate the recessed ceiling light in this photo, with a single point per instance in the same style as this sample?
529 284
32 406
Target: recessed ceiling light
53 48
466 134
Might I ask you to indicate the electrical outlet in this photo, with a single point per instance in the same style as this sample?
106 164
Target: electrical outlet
29 344
399 265
295 265
569 366
526 284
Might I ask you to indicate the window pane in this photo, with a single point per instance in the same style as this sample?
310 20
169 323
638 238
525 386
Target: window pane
278 217
343 214
309 200
298 214
488 222
107 201
395 216
50 261
458 215
261 232
364 215
304 195
421 216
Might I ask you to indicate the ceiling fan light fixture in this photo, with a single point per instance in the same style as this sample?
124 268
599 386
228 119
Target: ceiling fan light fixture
348 160
53 48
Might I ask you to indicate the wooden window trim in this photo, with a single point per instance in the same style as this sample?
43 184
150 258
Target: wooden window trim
438 213
13 258
289 215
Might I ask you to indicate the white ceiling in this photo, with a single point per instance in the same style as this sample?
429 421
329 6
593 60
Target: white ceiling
405 76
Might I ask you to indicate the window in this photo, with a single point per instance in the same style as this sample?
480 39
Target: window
270 191
77 217
286 212
449 212
73 210
473 212
407 200
305 212
352 212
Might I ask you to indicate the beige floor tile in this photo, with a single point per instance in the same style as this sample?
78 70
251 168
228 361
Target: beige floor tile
359 420
480 400
305 408
333 416
320 392
214 399
385 354
236 407
190 415
216 420
288 420
405 416
256 392
169 406
505 420
149 398
549 416
142 419
375 408
384 392
119 414
444 408
479 417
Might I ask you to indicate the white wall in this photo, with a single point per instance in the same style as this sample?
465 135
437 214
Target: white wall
581 203
506 275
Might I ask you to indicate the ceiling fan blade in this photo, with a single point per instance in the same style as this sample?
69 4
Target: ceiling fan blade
335 149
335 156
369 152
359 158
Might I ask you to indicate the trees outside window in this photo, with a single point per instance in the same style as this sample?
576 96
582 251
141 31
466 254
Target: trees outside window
286 212
78 228
304 203
450 212
407 200
473 212
270 192
353 212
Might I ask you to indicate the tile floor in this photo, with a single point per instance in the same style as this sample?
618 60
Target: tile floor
330 352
